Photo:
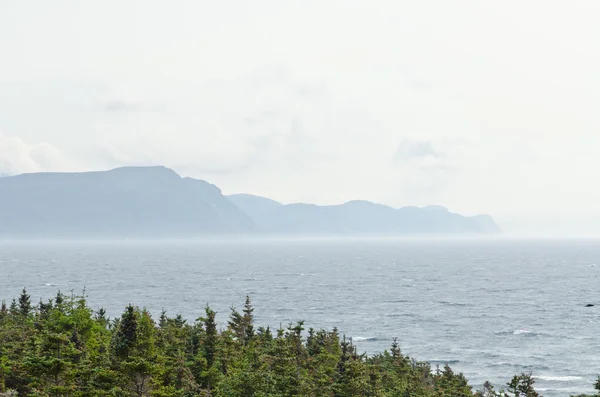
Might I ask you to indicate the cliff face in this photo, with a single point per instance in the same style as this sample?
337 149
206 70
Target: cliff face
487 223
130 201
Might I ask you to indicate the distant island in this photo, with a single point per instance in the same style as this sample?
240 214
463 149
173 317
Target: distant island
156 201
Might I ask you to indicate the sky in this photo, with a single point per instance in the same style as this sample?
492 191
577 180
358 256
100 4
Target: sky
480 106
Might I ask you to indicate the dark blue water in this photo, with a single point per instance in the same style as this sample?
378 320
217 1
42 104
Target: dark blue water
490 308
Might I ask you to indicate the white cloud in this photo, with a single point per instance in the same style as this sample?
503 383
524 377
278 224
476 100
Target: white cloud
493 104
17 156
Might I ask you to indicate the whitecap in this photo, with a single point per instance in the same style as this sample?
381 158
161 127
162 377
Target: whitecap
51 285
501 364
518 365
558 378
521 331
364 339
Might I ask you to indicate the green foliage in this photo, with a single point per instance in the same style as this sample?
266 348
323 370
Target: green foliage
62 348
522 386
24 303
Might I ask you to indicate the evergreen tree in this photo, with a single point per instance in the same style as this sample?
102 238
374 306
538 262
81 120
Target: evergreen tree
248 320
489 391
14 308
126 335
3 310
60 298
210 339
44 309
24 303
162 320
210 336
65 349
235 324
101 317
241 325
522 386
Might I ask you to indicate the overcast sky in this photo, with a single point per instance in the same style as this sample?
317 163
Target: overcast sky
480 106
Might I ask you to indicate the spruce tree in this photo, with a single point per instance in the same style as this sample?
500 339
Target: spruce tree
60 298
3 310
145 336
24 303
522 386
44 308
209 349
235 324
101 316
125 336
67 350
162 320
210 336
248 320
14 308
265 334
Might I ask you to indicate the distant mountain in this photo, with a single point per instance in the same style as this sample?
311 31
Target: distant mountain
155 201
357 217
129 201
487 223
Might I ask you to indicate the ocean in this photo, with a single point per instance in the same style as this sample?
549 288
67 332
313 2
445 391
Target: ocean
490 308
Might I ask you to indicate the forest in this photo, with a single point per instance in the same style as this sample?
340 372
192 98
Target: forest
62 347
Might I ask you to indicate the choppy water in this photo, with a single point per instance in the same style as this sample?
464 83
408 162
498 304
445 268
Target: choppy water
489 308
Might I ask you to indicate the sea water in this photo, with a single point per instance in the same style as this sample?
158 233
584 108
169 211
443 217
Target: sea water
490 308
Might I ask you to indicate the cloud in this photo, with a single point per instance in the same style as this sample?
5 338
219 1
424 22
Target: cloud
275 140
263 123
217 157
409 150
425 169
17 156
118 106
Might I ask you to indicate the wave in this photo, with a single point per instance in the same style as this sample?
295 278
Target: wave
447 303
522 331
558 378
440 361
51 285
364 339
294 274
517 365
393 315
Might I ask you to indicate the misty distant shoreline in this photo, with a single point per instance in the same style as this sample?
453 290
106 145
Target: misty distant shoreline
157 203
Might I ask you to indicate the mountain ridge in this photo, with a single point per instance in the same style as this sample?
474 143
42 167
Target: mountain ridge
359 216
156 201
126 201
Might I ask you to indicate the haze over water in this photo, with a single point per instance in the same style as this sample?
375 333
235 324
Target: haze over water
491 308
